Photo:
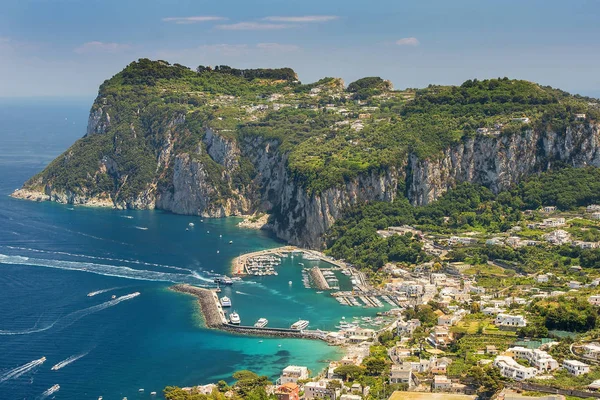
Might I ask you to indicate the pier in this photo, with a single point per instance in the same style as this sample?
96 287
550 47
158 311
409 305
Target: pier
215 317
318 279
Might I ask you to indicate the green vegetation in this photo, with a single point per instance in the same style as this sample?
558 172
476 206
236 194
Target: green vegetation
469 208
315 124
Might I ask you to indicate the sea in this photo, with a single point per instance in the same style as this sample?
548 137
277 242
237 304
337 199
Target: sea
69 313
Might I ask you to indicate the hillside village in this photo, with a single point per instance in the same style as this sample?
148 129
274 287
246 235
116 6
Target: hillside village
472 327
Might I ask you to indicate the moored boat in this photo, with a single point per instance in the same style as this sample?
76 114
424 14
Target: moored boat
261 323
225 301
300 324
234 318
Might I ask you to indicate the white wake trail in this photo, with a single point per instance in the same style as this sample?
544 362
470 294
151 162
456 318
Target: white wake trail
105 269
64 253
68 361
22 370
71 318
97 292
49 392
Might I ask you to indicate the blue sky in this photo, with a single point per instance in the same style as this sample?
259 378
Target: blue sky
68 47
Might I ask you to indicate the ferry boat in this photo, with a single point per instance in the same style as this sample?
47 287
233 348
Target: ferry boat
301 324
225 301
52 390
234 318
261 323
225 280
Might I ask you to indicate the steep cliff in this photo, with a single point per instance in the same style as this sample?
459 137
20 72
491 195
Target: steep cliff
500 162
232 142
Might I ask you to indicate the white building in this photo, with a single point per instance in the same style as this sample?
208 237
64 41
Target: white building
493 310
592 350
510 320
542 278
574 285
292 373
319 390
406 328
558 237
441 383
402 374
537 358
509 368
575 367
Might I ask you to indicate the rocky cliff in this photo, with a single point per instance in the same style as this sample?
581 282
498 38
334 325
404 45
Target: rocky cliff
499 162
214 144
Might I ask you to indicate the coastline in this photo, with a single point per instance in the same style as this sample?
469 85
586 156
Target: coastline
38 196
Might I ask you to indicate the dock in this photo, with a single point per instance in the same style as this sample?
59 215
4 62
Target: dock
215 318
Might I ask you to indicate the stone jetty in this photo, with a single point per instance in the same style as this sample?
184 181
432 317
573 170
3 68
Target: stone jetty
318 279
215 317
209 304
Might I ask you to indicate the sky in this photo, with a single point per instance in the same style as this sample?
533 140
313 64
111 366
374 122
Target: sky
69 47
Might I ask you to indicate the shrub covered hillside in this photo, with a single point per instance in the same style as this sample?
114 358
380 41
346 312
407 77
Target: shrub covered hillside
330 133
471 209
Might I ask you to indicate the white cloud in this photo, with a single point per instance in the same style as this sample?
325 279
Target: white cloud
101 47
278 47
193 20
303 18
252 26
409 41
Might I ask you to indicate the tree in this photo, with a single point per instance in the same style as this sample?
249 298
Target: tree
247 381
374 366
349 372
487 378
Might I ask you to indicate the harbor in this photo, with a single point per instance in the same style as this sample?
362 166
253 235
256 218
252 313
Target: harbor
266 260
215 318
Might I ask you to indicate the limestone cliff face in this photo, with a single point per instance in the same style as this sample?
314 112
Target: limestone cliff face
300 217
225 176
499 162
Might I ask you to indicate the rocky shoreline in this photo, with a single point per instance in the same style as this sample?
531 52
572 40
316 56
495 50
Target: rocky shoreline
255 222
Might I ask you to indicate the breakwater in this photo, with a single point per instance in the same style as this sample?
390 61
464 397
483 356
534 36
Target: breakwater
318 279
215 317
209 304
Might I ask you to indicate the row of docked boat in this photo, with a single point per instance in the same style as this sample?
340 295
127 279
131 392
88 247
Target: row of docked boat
262 265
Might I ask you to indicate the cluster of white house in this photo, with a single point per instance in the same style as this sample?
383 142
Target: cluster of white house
539 362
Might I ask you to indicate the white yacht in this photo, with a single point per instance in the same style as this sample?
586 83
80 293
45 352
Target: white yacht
301 324
234 318
225 301
261 323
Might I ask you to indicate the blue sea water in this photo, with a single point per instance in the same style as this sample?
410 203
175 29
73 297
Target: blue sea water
52 256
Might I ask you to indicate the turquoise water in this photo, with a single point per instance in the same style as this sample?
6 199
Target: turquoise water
52 256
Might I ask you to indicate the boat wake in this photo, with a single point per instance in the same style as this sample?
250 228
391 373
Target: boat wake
92 294
64 253
49 392
242 293
68 361
22 370
73 317
105 269
143 228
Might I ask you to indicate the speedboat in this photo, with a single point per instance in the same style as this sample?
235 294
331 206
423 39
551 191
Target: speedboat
300 324
261 323
191 224
225 301
234 318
